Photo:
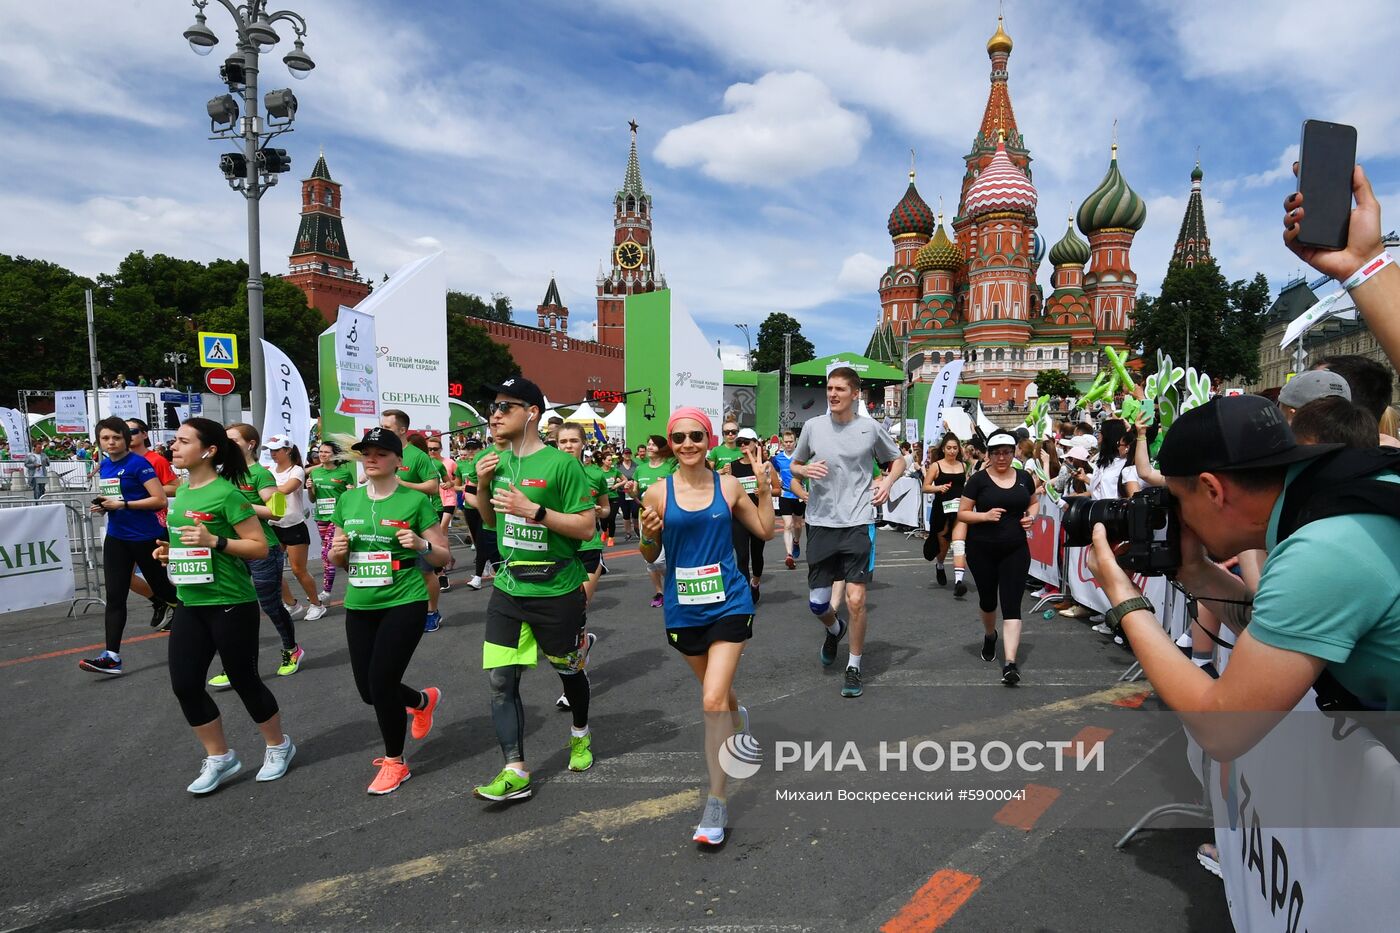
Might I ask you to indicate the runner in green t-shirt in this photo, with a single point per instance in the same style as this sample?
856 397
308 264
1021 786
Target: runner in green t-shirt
384 531
571 440
328 482
483 538
542 509
213 534
612 478
417 471
658 465
721 455
258 488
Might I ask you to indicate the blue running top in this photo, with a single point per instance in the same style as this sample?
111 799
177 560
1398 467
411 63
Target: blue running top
783 461
703 583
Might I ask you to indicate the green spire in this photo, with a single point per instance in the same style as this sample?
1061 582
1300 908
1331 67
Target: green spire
321 170
632 181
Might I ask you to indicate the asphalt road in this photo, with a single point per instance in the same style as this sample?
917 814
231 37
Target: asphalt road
100 832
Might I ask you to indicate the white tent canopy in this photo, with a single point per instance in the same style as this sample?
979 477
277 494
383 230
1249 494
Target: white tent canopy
585 414
617 418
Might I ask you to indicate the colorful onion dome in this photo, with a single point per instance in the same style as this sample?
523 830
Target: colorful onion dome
1071 250
1001 187
1037 247
1000 41
939 253
1112 204
911 214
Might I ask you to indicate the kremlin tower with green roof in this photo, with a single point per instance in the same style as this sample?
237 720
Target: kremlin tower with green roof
973 294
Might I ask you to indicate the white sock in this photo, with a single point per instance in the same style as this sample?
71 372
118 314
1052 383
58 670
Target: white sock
853 661
225 757
577 732
112 654
1184 640
1201 660
957 574
834 628
518 772
286 741
938 564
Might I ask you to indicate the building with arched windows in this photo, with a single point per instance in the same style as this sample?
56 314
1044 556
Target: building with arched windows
973 293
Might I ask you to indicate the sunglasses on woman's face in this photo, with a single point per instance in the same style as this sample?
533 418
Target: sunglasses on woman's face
696 437
729 433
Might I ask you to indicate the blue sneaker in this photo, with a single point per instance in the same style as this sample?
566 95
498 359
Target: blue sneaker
434 622
276 759
212 773
796 550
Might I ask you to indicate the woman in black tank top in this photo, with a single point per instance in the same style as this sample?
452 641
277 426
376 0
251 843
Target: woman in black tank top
944 479
748 550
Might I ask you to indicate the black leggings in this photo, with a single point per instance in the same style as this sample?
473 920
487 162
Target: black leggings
508 710
1000 569
382 642
610 523
119 558
473 523
748 551
486 550
196 634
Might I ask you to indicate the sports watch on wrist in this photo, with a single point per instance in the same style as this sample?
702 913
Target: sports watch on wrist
1114 617
540 513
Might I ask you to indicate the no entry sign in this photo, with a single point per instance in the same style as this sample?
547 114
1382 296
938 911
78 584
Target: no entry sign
219 381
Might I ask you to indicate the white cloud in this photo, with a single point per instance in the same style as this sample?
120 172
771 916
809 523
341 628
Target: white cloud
860 272
786 125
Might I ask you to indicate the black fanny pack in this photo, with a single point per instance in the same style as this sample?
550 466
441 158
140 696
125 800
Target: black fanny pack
537 571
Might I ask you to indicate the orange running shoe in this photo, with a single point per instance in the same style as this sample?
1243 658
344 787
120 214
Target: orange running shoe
423 718
391 774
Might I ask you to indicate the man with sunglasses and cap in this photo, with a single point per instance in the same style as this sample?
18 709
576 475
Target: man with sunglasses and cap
539 501
1328 600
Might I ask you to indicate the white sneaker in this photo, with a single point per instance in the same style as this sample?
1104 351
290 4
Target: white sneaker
324 596
474 583
276 760
212 773
295 610
315 612
1102 628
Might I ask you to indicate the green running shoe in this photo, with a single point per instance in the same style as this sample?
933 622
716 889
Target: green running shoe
220 681
291 661
507 786
580 752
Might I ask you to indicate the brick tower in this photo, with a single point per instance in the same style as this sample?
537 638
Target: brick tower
320 263
633 260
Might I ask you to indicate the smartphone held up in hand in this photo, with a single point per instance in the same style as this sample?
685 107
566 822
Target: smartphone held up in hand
1326 160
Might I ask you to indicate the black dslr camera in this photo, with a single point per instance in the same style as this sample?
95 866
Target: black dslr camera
1147 522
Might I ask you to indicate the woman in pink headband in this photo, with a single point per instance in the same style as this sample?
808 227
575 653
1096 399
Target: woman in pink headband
708 606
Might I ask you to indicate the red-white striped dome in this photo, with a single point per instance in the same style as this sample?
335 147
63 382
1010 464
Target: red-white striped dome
1001 187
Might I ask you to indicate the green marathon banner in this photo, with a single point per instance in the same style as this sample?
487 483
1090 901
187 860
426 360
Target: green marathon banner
667 353
36 568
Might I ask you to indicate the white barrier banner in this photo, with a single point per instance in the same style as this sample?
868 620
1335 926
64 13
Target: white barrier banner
288 409
904 505
35 566
940 398
1044 541
16 432
1305 825
125 404
70 412
356 363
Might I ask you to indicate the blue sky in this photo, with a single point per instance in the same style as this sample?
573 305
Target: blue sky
775 134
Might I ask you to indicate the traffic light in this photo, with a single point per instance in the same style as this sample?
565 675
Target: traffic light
274 161
233 165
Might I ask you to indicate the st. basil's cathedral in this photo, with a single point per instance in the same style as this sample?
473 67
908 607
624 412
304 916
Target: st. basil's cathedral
974 294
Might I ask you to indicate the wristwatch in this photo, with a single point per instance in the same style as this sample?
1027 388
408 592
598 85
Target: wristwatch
540 513
220 543
1114 617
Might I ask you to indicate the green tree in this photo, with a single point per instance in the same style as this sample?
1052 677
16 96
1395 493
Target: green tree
1050 382
768 355
474 359
497 309
43 327
1225 321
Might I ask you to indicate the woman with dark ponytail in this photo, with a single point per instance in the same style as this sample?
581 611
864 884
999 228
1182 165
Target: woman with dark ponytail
213 531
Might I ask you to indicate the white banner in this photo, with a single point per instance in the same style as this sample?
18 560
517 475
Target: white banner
1306 829
356 363
697 375
16 432
1044 541
124 404
940 399
911 430
35 567
959 423
905 503
70 412
288 409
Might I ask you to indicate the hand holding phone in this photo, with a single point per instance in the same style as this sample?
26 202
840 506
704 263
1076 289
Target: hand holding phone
1326 161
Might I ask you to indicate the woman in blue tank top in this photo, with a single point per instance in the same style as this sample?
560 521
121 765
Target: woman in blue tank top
708 606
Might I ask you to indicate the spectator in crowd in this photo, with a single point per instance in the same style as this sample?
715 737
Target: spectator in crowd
1370 384
1307 387
36 468
1334 420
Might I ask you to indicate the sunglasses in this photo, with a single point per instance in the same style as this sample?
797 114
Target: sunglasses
504 407
696 437
434 448
729 433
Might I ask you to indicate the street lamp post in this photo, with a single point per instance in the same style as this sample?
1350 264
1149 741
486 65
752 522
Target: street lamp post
748 353
256 169
176 359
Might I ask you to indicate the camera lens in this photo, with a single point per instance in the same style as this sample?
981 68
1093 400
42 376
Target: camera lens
1081 515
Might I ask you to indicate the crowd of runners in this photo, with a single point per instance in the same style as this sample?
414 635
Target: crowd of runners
542 503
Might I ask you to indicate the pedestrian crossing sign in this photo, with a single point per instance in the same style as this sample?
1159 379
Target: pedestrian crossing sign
218 351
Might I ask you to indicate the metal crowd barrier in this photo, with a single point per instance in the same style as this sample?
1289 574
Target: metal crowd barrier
62 474
84 542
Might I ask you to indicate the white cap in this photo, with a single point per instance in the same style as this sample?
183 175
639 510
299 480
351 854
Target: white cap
278 441
1001 439
748 434
1077 453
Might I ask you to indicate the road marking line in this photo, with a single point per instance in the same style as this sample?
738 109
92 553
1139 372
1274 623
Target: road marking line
1022 814
79 650
291 906
935 903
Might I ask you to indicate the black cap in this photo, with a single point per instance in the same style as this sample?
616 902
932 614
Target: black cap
383 438
473 442
521 388
1242 432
